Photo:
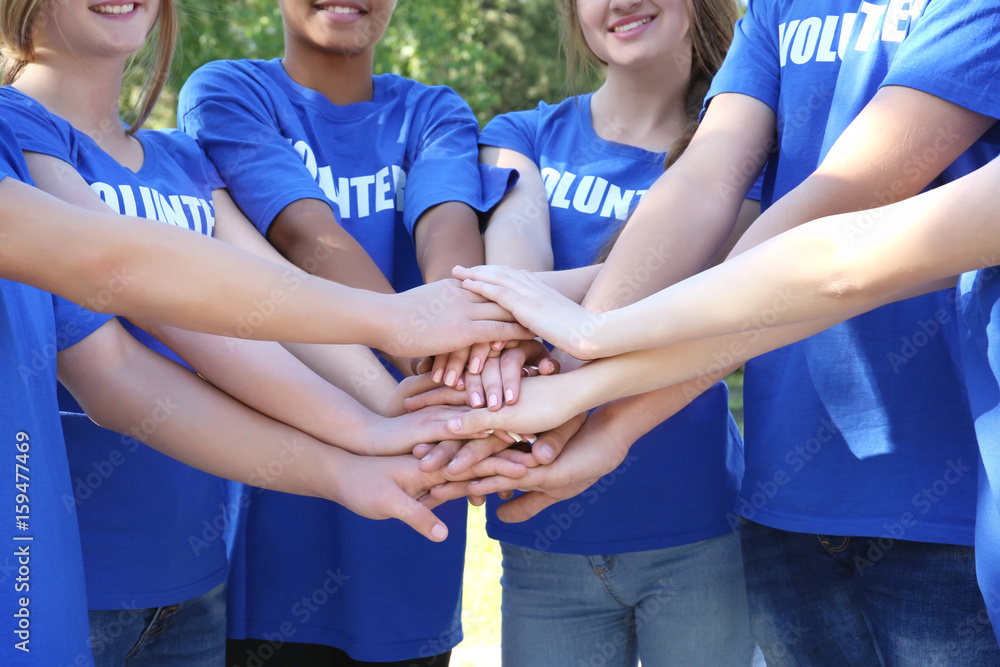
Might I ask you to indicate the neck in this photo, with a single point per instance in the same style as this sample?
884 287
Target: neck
643 108
342 79
84 93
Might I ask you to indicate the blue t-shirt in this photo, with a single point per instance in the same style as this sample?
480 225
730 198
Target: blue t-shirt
680 481
848 432
979 318
44 604
379 165
275 142
142 514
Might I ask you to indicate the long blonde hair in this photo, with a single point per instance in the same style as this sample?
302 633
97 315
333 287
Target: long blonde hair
712 24
19 19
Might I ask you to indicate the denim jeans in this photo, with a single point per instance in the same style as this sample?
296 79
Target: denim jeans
683 606
192 634
839 600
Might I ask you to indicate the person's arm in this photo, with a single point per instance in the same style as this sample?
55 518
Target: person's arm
446 235
517 233
126 387
828 267
157 272
269 379
308 234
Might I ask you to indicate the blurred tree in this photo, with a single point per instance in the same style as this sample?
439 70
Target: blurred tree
500 55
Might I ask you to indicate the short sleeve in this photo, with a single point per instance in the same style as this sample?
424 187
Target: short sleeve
37 130
516 131
229 112
953 52
11 158
444 157
752 66
74 323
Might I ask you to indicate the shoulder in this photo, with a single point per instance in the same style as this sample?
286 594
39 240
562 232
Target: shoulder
228 79
420 95
34 126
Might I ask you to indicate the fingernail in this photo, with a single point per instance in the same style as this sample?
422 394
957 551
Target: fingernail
450 378
477 399
439 532
517 437
438 374
510 395
460 384
497 345
531 439
455 424
547 452
488 432
453 464
425 459
494 400
474 365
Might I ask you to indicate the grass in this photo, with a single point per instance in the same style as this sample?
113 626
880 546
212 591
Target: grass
481 591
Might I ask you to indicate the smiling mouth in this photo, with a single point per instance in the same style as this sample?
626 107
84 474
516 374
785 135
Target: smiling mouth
339 9
114 9
632 26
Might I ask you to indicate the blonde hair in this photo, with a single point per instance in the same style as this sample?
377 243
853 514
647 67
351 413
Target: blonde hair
712 24
19 20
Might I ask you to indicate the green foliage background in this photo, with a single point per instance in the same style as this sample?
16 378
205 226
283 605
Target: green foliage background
500 55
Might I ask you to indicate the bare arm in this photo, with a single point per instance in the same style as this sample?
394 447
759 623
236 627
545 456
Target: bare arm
446 235
518 231
308 234
122 384
157 272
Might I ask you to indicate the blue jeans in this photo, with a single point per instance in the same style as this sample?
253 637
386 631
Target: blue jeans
838 600
192 634
680 606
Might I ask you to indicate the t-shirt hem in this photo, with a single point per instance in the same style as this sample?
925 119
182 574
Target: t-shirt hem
614 547
382 652
148 600
885 526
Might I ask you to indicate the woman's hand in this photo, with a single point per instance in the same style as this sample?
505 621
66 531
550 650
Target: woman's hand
543 310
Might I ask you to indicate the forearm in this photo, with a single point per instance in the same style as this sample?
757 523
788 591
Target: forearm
829 267
352 368
182 416
269 379
308 234
445 236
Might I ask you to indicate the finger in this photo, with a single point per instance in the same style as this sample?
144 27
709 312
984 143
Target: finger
471 453
505 495
495 484
496 329
551 443
511 371
438 367
495 465
504 276
492 384
439 456
477 501
548 366
422 365
417 384
455 366
450 491
475 391
477 357
421 519
525 506
422 450
440 396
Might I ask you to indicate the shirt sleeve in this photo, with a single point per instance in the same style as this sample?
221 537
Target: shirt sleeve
74 323
11 157
953 52
516 131
444 159
36 130
231 115
752 66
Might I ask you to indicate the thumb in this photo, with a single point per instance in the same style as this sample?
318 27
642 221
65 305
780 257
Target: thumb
475 423
420 518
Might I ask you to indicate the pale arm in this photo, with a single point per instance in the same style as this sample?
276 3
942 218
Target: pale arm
124 387
518 233
157 272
